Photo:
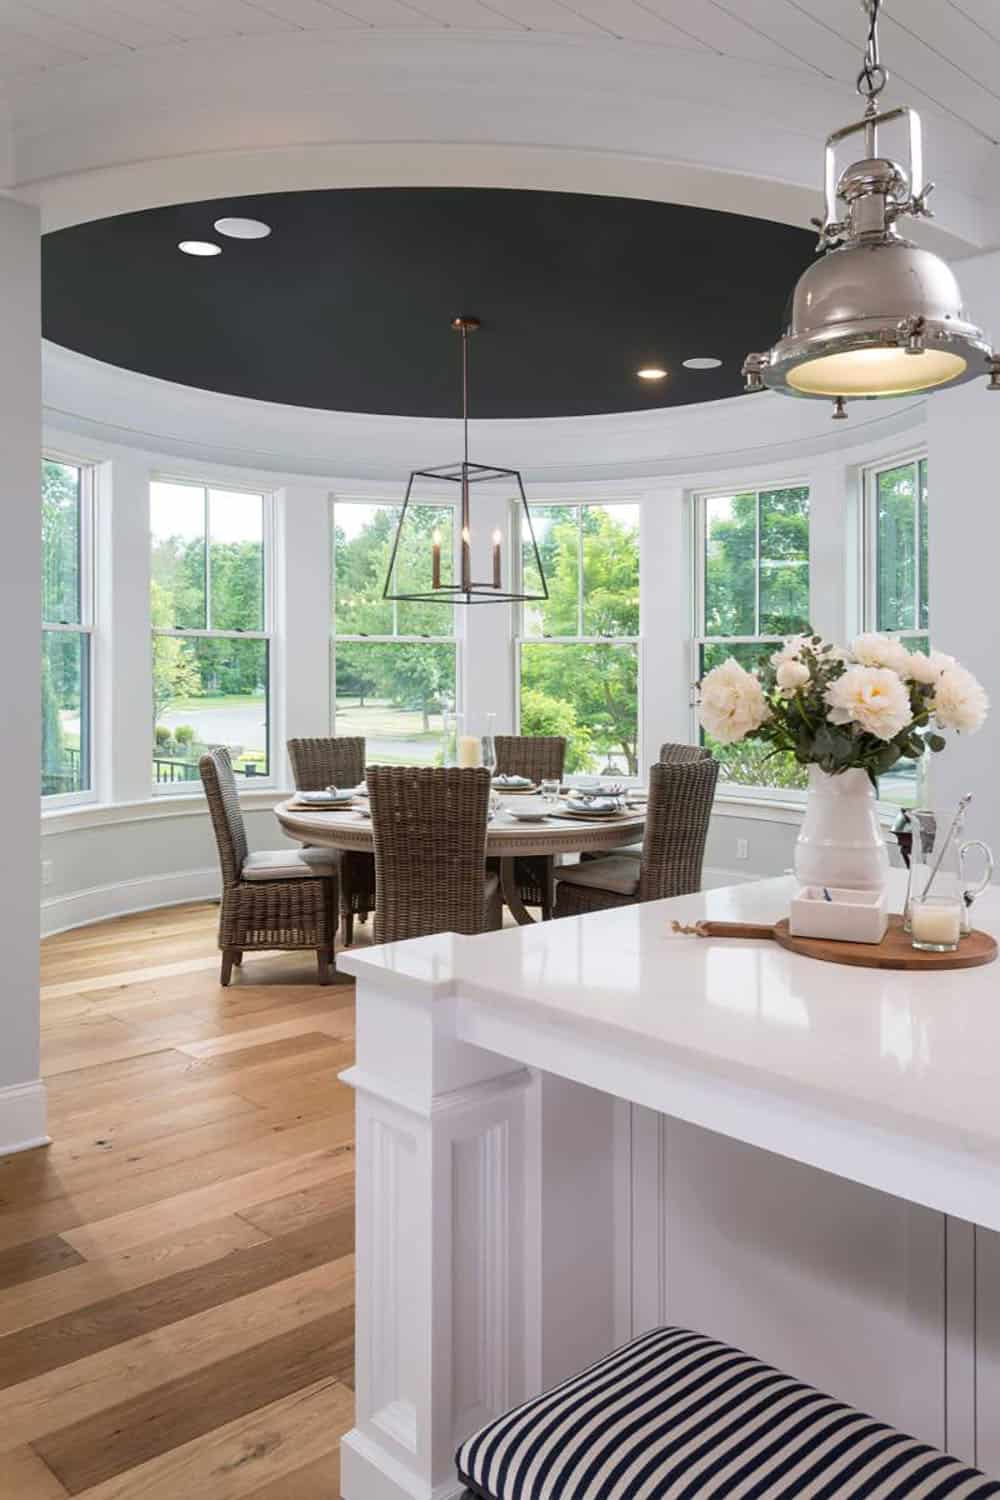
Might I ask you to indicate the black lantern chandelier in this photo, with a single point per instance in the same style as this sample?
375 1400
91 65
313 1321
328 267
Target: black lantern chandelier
466 474
878 315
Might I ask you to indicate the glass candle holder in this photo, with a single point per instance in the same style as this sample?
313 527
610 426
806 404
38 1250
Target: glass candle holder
935 924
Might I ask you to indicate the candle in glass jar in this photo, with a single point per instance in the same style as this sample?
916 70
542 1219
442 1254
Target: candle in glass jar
469 750
436 560
496 559
936 922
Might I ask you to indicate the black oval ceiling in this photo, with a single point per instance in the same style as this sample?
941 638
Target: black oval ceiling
346 305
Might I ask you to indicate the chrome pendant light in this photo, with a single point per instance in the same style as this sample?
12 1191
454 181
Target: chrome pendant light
877 316
467 474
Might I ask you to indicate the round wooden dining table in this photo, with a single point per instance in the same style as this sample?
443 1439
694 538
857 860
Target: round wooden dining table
506 838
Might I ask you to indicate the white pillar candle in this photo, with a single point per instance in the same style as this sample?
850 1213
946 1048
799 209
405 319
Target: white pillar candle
936 922
470 750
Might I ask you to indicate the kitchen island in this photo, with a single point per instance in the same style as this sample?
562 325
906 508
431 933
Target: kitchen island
572 1132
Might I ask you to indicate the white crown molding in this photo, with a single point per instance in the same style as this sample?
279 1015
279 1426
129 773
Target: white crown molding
107 405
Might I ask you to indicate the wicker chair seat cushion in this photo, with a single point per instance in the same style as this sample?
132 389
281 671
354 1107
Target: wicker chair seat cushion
616 872
289 864
677 1416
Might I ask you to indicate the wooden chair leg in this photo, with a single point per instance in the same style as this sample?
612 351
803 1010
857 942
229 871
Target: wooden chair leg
228 959
348 928
238 957
324 964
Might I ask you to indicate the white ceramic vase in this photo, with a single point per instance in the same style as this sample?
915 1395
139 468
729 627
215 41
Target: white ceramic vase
841 841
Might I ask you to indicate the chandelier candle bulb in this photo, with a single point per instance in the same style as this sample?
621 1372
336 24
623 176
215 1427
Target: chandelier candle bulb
436 560
470 750
466 556
496 560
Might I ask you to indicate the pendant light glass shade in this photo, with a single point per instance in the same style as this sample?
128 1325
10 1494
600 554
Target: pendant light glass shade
878 315
876 372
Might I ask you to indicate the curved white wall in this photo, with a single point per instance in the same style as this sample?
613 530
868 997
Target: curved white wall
132 850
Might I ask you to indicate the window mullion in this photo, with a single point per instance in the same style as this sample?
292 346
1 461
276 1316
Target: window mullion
579 570
756 566
208 563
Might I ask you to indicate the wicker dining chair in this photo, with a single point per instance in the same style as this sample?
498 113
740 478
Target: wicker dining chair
542 757
286 898
673 754
429 825
338 761
673 847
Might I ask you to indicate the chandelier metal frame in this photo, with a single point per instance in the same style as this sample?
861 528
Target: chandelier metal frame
466 474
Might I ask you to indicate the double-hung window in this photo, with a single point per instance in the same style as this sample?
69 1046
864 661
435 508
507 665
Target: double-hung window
896 597
751 589
210 612
578 651
395 662
67 631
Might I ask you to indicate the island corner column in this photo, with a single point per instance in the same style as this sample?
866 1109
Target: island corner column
445 1247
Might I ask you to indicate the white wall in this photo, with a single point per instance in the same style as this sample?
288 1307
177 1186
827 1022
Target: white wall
22 1097
965 555
134 850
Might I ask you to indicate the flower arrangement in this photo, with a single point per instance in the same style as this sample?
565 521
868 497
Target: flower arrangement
859 709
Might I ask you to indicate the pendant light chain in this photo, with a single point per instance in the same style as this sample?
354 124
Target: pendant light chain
873 77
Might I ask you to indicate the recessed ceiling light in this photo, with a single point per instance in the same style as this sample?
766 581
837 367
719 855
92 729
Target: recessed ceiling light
199 247
243 229
651 372
702 363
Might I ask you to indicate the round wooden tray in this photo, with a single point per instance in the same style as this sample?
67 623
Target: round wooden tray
895 951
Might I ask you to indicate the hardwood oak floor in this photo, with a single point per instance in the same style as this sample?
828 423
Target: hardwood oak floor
176 1270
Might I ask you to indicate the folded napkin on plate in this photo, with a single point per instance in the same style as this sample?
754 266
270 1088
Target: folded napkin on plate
512 781
321 799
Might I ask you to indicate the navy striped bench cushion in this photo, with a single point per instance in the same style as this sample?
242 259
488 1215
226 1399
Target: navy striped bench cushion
674 1415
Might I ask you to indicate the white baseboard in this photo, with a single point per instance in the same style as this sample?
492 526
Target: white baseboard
23 1124
368 1472
99 902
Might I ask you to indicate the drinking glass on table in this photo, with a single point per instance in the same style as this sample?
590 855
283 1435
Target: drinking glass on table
549 789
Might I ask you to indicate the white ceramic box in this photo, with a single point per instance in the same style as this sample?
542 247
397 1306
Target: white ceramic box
842 915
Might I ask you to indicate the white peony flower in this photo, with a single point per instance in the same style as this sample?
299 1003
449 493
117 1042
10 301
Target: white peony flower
873 650
960 701
874 698
927 669
791 675
732 703
790 650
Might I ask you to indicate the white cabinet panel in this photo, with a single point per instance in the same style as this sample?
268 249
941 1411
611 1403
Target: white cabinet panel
842 1286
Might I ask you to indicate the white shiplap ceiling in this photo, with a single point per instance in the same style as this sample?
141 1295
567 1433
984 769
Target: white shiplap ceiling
943 53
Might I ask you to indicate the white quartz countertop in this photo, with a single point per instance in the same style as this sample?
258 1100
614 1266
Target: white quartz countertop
912 1054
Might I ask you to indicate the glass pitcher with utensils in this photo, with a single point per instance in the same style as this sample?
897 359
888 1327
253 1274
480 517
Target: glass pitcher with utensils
940 890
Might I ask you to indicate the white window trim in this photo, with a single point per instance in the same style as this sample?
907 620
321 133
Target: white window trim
520 639
868 568
869 539
784 798
88 594
351 638
264 783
